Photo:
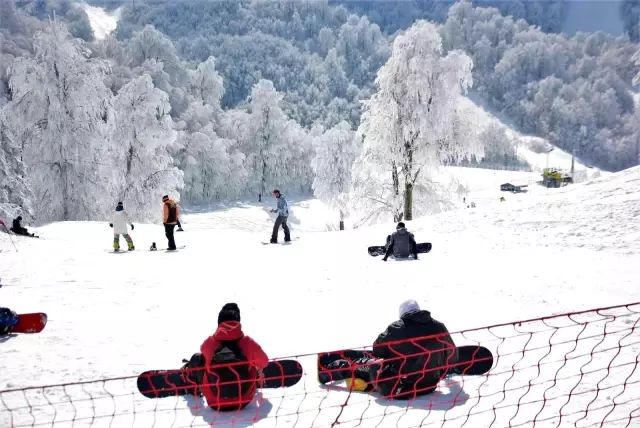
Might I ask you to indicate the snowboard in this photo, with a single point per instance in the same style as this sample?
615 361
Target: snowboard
30 323
168 383
282 242
380 250
473 360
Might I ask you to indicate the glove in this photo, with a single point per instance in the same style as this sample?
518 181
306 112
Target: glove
110 224
131 227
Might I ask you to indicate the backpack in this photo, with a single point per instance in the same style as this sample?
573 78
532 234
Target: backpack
229 381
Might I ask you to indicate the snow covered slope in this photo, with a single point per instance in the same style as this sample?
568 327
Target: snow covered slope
102 23
537 152
119 314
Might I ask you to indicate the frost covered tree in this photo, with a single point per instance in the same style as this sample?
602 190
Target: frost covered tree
267 124
15 195
335 152
59 112
410 122
143 137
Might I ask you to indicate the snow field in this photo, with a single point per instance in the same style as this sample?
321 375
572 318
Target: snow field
536 254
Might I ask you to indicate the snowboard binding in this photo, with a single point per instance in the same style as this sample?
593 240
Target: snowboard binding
153 247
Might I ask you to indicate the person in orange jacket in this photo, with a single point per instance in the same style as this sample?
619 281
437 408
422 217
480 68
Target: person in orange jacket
170 215
233 362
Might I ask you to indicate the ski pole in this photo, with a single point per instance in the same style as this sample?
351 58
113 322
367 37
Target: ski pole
10 239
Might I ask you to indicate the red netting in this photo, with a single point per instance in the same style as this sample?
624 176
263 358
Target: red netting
577 370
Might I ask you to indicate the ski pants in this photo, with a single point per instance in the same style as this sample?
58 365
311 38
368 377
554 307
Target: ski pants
116 239
383 378
280 221
168 231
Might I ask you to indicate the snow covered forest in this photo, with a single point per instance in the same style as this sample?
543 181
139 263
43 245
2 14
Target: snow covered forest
357 102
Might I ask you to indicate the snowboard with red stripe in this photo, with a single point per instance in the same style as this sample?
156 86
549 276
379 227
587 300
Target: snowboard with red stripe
30 323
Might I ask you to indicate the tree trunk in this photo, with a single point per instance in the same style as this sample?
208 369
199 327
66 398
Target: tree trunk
341 220
408 201
397 215
264 177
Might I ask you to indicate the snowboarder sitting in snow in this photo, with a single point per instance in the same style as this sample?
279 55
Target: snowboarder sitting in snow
233 364
401 244
119 224
282 209
405 362
18 229
8 320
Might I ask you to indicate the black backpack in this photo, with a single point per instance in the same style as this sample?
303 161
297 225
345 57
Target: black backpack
227 378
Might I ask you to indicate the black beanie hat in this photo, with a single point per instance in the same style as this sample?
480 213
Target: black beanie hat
229 312
400 225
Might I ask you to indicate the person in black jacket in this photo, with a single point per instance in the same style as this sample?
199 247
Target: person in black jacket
401 244
17 228
405 363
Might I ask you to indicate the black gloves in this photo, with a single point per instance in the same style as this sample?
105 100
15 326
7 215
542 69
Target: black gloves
132 227
110 224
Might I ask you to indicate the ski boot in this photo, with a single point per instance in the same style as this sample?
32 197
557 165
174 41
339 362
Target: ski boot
116 246
131 246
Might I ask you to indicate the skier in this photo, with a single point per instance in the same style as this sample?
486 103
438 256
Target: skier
401 244
228 345
405 363
8 320
170 216
282 209
119 225
18 229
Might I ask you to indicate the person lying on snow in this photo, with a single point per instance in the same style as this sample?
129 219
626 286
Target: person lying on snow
8 320
399 367
227 385
18 229
401 244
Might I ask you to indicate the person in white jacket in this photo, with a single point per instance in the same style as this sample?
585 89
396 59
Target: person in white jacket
119 225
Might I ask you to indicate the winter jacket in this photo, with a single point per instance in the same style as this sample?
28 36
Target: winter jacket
282 208
231 331
415 359
402 243
170 213
120 221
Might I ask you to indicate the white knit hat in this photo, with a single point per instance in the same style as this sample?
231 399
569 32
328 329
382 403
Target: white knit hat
408 306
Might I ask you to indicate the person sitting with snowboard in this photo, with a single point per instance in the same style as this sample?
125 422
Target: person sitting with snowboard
119 225
8 320
233 364
408 359
18 229
401 244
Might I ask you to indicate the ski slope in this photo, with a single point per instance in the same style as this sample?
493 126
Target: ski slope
112 315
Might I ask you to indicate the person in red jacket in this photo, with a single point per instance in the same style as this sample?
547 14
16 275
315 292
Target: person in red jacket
233 362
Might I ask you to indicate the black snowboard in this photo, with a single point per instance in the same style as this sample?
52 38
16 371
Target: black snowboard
168 383
473 360
380 250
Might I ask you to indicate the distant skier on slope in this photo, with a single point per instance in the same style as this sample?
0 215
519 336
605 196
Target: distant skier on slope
405 368
401 244
282 209
228 345
8 320
119 225
18 229
170 215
